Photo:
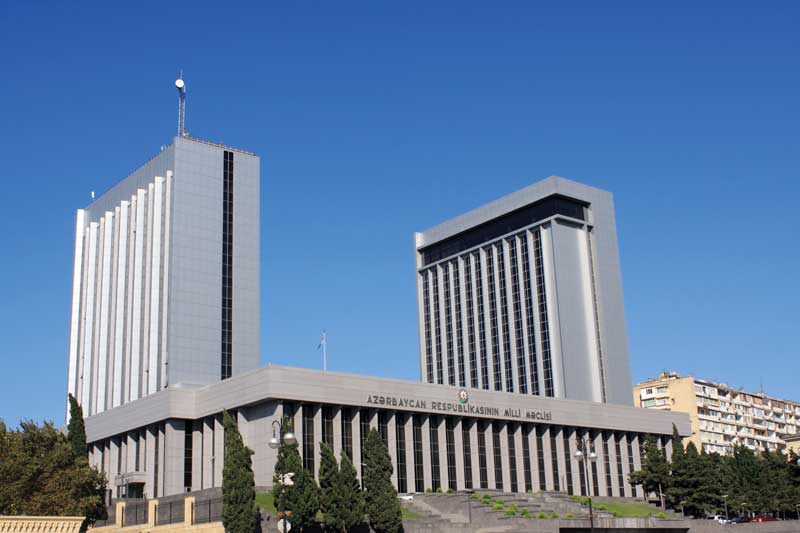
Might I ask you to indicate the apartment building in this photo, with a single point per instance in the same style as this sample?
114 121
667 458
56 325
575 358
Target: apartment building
722 416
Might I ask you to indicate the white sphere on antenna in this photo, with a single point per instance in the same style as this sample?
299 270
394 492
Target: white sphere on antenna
179 83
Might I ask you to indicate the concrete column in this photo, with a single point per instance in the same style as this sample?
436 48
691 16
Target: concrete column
207 426
337 432
426 455
475 458
391 437
297 426
130 449
623 450
174 438
520 456
113 469
536 481
356 431
562 465
317 438
575 466
458 440
260 418
612 459
601 464
218 459
409 438
505 457
151 434
550 476
487 433
197 454
444 474
637 460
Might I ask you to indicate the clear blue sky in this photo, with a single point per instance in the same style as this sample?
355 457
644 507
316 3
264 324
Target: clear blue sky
376 119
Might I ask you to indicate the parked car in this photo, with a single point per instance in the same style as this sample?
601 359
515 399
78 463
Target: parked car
765 518
717 518
740 519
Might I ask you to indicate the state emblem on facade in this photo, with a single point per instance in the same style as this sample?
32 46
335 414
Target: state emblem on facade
463 397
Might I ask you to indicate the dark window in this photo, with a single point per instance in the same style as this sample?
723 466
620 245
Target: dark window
448 326
347 432
119 452
498 457
481 322
565 433
607 463
437 327
364 425
426 298
482 468
433 423
473 362
451 452
467 445
554 458
187 455
595 480
155 461
419 472
507 223
620 475
526 457
501 267
462 376
227 266
383 427
498 373
522 371
328 414
136 455
530 313
544 327
540 459
308 438
629 439
400 431
512 458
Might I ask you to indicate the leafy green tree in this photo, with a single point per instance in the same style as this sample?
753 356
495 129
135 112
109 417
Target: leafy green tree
238 485
76 431
347 507
681 473
654 476
306 503
382 505
328 476
41 475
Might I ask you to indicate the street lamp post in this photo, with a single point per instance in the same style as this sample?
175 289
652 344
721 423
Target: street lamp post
725 499
585 454
284 438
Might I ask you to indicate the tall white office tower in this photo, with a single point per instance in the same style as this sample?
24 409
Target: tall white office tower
166 277
524 295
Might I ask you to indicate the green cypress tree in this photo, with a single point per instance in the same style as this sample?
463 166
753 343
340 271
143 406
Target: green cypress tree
347 507
306 503
328 474
680 472
289 461
382 505
238 485
76 431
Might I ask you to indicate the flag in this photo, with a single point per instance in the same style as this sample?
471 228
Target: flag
322 341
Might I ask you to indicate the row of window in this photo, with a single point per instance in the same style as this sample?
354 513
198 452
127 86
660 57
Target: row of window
511 314
226 349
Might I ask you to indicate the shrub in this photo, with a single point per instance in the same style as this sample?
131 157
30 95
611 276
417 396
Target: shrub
497 506
428 489
486 499
570 515
475 496
554 515
498 500
539 491
529 491
661 515
541 514
450 491
526 513
511 512
438 490
616 514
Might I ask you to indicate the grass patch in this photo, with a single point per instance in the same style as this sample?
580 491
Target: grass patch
266 503
408 514
627 510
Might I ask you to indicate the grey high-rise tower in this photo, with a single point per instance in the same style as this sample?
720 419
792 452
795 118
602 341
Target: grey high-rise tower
524 295
166 277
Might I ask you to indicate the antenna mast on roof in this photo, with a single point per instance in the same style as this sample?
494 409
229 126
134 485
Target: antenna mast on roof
181 105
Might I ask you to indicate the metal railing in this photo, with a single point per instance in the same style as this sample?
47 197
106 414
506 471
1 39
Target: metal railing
135 513
169 512
207 511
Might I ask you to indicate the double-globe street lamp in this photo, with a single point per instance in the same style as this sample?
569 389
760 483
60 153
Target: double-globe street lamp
286 438
585 454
